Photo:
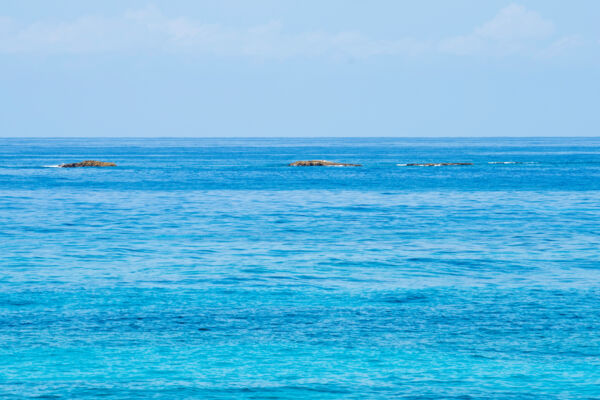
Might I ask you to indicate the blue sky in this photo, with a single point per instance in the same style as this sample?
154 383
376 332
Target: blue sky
299 68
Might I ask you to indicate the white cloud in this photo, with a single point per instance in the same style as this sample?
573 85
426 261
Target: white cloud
515 22
562 45
149 29
512 30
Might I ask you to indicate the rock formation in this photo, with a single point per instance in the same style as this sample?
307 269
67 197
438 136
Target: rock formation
89 163
321 163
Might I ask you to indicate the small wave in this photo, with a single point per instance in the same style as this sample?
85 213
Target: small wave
512 162
51 166
419 165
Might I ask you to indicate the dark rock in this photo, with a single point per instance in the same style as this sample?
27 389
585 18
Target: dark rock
89 163
321 163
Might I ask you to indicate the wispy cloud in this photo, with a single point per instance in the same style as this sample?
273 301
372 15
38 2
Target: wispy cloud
563 45
513 30
149 29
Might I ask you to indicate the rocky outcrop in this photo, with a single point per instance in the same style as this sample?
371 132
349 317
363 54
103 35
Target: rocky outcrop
89 163
321 163
437 164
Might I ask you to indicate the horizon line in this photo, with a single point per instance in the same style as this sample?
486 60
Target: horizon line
301 137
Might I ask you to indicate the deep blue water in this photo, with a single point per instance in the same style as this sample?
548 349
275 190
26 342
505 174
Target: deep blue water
207 268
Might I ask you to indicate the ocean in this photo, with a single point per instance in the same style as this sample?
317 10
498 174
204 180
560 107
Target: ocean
209 269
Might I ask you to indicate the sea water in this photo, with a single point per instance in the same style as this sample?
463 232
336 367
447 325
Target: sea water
208 268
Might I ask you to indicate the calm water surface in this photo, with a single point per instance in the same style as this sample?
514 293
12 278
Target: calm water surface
205 268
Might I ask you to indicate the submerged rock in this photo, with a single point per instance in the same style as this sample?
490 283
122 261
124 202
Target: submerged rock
89 163
436 164
321 163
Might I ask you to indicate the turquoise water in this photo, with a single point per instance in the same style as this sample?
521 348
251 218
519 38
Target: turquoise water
205 268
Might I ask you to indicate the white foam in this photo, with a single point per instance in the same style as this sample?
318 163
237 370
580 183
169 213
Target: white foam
421 165
51 166
512 162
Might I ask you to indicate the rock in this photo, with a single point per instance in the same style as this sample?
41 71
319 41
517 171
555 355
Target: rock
438 164
321 163
89 163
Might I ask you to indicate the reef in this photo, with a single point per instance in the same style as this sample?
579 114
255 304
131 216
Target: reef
321 163
89 163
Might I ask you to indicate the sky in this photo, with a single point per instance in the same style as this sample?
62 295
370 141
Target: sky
280 68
